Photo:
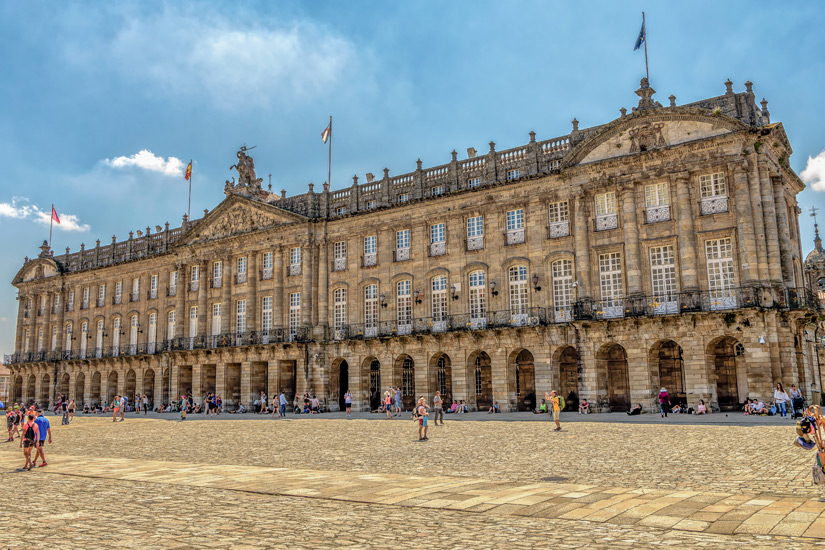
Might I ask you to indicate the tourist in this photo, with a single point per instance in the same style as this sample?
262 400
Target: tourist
664 402
635 410
65 407
314 405
542 408
218 404
388 404
493 407
677 409
700 408
797 400
10 424
43 429
145 399
72 407
29 439
423 415
241 409
781 397
554 401
348 403
115 408
397 402
453 408
584 407
758 407
438 408
182 408
263 403
281 406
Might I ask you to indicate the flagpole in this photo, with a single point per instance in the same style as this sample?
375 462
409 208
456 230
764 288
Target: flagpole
189 207
647 73
329 164
51 223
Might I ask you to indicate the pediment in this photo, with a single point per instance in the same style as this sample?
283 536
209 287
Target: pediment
651 130
36 269
236 216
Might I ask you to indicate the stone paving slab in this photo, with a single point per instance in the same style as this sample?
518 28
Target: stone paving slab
756 514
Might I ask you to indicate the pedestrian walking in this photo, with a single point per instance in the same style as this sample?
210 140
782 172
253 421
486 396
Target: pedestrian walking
438 408
781 398
281 406
29 439
43 429
388 404
423 416
123 402
553 399
182 408
10 416
797 400
72 407
348 403
145 404
397 402
664 402
115 408
65 407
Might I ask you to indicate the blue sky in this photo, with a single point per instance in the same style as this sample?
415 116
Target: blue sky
86 86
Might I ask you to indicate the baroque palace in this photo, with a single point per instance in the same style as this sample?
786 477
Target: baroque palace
659 249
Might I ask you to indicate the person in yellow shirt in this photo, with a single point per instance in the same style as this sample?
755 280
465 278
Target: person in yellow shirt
553 399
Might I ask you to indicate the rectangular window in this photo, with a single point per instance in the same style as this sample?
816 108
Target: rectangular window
663 279
266 270
478 299
371 310
216 319
195 273
153 287
713 185
438 190
340 210
70 303
402 245
370 244
437 233
217 271
721 275
473 182
475 233
371 204
193 321
513 174
403 197
240 270
295 256
101 293
610 284
517 276
606 203
242 264
515 219
439 303
294 313
339 256
85 303
339 314
266 313
559 218
173 279
240 317
404 307
562 291
656 194
171 319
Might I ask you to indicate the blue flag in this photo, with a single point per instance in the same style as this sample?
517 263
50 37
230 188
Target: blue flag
641 38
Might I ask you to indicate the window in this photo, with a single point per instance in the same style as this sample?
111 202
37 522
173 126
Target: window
294 260
340 210
171 319
216 322
266 314
173 282
473 182
663 279
370 250
85 303
402 245
240 317
101 295
26 341
515 226
606 217
610 283
439 303
84 333
153 287
513 174
478 376
339 310
478 299
403 197
193 322
721 275
217 274
713 191
657 200
98 339
371 310
339 256
562 271
438 245
40 339
118 292
517 277
407 377
56 303
53 346
133 334
371 204
559 217
67 343
70 302
194 278
438 190
116 330
403 291
135 285
151 338
241 269
266 269
475 233
294 313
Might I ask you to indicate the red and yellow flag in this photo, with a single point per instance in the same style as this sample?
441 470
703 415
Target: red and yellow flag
188 173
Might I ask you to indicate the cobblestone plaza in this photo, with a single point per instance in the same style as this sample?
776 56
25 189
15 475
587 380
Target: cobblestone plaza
325 482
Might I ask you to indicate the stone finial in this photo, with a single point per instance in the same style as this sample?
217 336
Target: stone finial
386 173
311 187
492 146
44 250
166 225
326 187
97 245
131 235
645 93
185 218
148 230
205 211
283 193
672 99
114 239
67 251
575 123
623 111
355 180
749 87
765 113
532 136
454 155
82 246
418 164
728 87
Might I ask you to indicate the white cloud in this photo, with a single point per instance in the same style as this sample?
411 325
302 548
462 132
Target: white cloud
20 209
146 160
814 172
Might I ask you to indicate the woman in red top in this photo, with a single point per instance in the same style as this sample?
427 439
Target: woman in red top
31 434
664 402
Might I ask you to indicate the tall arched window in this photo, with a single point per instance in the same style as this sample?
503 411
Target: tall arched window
407 377
562 290
339 311
478 299
67 344
116 330
84 336
171 320
517 277
403 291
478 384
441 375
153 332
439 303
133 334
370 310
99 339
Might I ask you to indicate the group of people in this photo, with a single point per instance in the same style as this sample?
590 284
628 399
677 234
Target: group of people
783 403
666 407
33 429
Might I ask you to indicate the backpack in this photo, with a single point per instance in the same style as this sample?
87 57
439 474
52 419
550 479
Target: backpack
562 404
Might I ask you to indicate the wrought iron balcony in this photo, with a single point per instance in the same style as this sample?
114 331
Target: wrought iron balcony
402 254
655 214
100 302
370 259
117 299
438 249
339 264
605 222
172 290
713 205
217 282
194 286
558 229
475 243
152 294
294 269
240 278
134 296
515 236
266 273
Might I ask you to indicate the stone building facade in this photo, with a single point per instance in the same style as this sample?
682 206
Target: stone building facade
659 249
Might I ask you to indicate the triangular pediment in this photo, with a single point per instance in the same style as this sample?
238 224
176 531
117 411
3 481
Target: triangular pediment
235 216
649 130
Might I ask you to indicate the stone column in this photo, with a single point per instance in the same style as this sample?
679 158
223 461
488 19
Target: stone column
582 245
278 292
784 229
197 382
246 392
158 398
631 241
769 215
323 287
273 388
306 283
73 383
688 262
87 387
220 380
174 386
745 221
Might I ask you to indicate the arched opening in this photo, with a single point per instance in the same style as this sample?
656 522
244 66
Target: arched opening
131 386
80 389
567 360
406 373
373 372
522 379
726 354
111 386
441 377
31 390
613 376
480 375
94 389
670 367
17 389
63 389
339 383
45 387
164 397
149 386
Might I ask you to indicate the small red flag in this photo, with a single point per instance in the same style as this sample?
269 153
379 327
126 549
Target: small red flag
188 171
54 216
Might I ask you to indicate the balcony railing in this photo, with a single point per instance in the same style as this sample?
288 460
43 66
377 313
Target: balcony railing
438 249
655 214
339 264
56 309
27 314
240 278
217 282
370 259
117 299
475 243
40 311
134 296
558 229
194 286
266 273
69 307
402 254
152 294
515 237
84 304
100 302
294 269
172 290
607 221
713 205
